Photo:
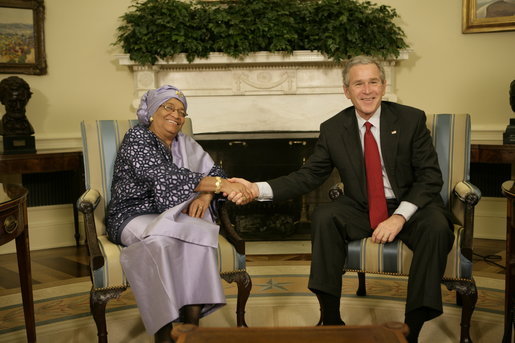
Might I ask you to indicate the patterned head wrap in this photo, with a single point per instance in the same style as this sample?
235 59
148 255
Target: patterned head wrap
151 100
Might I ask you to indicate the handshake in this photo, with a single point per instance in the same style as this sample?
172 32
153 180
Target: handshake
239 191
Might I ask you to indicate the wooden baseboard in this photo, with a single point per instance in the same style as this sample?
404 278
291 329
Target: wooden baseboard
52 227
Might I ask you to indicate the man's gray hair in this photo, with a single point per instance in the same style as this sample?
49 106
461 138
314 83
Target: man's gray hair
356 60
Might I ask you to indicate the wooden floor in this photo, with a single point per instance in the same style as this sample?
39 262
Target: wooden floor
63 265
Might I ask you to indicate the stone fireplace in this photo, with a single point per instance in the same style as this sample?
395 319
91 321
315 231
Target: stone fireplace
264 91
259 118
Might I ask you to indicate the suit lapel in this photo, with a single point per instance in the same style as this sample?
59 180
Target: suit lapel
352 146
390 131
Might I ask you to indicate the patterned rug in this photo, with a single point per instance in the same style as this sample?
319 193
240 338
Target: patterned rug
279 297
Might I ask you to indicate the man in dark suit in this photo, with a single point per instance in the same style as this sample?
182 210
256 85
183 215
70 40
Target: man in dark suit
408 179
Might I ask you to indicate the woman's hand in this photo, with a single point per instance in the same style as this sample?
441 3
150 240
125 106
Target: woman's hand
236 192
197 208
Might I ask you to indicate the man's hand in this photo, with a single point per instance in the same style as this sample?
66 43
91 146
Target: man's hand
252 187
237 192
389 229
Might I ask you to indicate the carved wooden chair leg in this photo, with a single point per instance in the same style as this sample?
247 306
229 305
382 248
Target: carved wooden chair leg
469 299
467 292
97 301
98 309
244 284
459 301
362 289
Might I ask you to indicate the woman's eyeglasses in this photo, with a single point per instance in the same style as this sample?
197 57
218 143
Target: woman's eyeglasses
170 109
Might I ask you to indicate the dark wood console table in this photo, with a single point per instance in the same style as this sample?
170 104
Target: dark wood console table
45 162
508 189
490 153
14 225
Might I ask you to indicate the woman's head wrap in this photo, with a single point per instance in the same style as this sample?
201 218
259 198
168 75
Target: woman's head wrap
151 100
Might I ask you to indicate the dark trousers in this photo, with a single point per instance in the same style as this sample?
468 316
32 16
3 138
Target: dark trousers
428 234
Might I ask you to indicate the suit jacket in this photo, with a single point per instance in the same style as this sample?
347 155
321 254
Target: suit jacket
408 153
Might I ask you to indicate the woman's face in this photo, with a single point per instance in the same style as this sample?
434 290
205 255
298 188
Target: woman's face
168 119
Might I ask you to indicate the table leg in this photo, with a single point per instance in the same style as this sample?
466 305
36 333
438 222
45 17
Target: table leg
23 255
509 301
76 225
78 189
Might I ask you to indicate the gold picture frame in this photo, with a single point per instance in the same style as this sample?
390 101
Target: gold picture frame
488 16
22 39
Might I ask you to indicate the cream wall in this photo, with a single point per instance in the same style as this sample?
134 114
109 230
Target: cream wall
83 79
453 72
447 71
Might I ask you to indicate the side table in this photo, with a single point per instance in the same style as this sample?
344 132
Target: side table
14 225
50 161
508 189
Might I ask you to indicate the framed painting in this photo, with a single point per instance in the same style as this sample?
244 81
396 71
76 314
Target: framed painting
488 15
22 43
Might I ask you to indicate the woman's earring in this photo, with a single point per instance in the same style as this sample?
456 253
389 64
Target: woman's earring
151 119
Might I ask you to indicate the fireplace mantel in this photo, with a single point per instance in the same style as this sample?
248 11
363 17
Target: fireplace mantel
263 91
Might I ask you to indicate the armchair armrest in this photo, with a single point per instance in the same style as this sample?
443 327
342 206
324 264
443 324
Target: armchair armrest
336 191
468 196
87 204
467 193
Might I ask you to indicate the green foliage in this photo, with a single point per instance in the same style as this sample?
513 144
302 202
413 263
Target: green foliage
161 29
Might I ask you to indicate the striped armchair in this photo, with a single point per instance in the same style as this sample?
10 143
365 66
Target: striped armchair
101 139
451 138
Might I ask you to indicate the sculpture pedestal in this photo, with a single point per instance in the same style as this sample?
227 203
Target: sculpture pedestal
18 145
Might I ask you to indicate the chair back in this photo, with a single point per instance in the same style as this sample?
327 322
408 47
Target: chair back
100 142
451 139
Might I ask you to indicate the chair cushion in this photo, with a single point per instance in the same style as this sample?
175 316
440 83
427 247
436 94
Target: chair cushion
395 258
111 274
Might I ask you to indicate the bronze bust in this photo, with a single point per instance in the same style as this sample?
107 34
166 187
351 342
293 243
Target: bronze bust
15 128
14 95
509 134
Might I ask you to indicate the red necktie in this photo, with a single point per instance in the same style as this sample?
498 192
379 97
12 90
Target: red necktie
377 210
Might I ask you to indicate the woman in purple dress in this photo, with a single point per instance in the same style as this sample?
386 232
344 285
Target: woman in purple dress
163 185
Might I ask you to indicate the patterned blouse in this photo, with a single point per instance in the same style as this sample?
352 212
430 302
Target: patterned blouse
145 180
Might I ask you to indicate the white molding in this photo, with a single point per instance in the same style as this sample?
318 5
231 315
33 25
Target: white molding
56 142
49 142
482 134
260 57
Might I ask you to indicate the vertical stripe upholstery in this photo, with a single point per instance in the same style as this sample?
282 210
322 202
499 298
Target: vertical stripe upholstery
451 138
101 140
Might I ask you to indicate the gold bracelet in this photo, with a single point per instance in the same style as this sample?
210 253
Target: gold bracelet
218 184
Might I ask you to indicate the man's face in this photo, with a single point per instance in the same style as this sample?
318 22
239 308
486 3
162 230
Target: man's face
15 102
365 89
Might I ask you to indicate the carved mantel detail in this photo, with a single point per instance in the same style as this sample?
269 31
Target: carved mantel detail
264 91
